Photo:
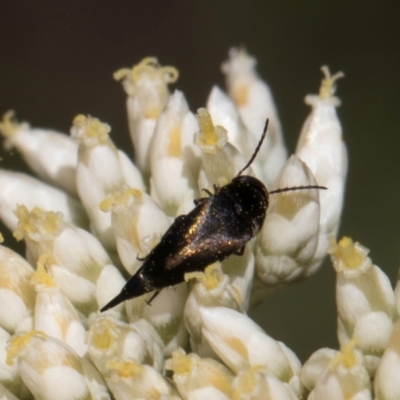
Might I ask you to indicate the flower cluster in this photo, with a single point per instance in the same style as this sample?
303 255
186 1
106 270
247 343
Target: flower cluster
91 215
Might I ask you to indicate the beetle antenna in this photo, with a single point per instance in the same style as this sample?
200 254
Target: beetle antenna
257 148
288 189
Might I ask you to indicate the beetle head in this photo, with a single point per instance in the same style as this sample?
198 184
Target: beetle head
250 197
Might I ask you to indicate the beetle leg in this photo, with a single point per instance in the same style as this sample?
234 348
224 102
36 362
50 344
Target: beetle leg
216 189
202 199
153 296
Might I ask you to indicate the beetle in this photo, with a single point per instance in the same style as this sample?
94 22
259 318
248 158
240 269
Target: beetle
220 225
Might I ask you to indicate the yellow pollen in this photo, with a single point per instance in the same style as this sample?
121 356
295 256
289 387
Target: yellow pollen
104 335
120 198
347 356
36 221
247 382
1 238
9 126
148 68
182 364
347 252
328 84
92 127
212 276
124 369
41 275
18 343
208 134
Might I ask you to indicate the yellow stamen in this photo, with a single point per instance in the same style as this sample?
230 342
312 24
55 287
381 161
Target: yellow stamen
124 369
36 221
210 137
18 343
347 356
10 125
41 275
328 84
182 364
348 252
120 198
104 335
92 128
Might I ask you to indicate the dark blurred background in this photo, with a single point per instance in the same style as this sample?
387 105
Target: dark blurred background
57 60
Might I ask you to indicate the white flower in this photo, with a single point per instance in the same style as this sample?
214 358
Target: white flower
289 237
179 158
175 160
387 375
137 342
10 378
242 344
17 296
256 384
221 161
52 370
129 381
146 85
51 155
224 113
196 377
321 147
54 313
102 168
137 222
364 314
76 258
255 104
165 314
17 188
344 377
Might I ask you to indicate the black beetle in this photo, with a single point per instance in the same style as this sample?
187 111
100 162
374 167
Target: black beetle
219 225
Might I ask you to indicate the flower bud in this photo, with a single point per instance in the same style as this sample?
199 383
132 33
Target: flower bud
289 237
54 313
129 381
11 384
255 104
212 289
137 342
316 366
17 295
165 314
321 147
255 384
75 272
221 161
175 160
17 188
138 224
386 378
52 370
345 377
242 344
365 301
51 155
146 85
224 113
197 377
99 172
